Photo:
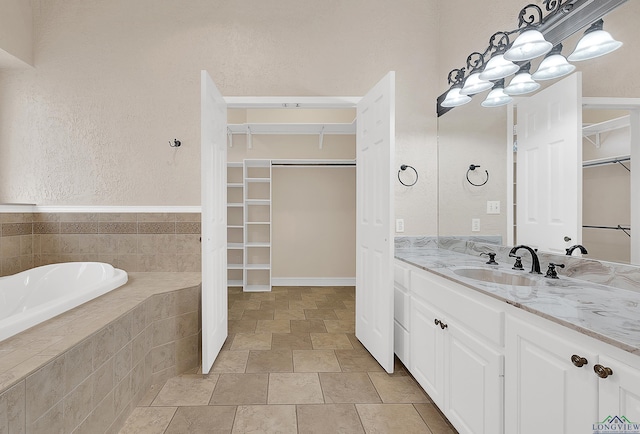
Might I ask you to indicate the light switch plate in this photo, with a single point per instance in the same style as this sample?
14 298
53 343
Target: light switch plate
399 225
475 225
493 207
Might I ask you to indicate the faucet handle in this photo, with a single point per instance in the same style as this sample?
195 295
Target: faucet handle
492 258
551 271
518 264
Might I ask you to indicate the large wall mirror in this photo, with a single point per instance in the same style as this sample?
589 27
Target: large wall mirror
470 205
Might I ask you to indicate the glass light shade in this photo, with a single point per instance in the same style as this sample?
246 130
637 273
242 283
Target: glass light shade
455 99
553 67
520 84
529 45
474 84
496 98
498 67
594 44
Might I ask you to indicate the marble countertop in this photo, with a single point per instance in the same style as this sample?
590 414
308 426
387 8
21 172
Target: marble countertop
609 314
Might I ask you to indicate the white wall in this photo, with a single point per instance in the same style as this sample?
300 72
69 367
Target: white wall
115 80
16 27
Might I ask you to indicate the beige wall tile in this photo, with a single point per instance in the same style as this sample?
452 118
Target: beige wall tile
103 346
78 364
12 409
122 363
11 217
126 243
157 227
163 357
46 217
44 388
79 227
122 331
77 405
188 352
118 217
46 227
78 217
121 396
188 217
26 245
156 217
13 229
117 227
153 244
52 421
188 243
188 228
103 381
10 247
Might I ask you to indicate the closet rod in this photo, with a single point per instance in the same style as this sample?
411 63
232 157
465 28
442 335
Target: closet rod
618 160
617 228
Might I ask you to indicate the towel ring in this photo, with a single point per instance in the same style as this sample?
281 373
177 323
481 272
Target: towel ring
474 167
402 169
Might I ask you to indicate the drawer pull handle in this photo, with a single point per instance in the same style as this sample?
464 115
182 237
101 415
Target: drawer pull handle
602 371
440 323
578 361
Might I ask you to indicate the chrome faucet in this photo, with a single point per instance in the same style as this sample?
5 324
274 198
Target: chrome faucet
577 246
535 266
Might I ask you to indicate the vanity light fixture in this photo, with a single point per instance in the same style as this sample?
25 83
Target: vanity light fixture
497 97
553 66
538 34
595 42
522 82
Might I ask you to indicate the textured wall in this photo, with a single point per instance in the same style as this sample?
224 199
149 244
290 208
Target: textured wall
16 28
114 81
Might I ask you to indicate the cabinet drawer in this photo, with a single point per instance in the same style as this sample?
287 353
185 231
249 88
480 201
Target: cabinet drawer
401 305
401 274
461 305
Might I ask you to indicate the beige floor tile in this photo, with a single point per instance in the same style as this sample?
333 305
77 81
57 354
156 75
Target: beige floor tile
235 314
320 314
302 304
345 314
240 389
340 325
315 361
308 326
263 296
251 341
350 304
434 419
242 326
202 420
148 420
310 296
391 418
185 390
270 361
276 304
258 314
231 362
228 342
151 394
273 326
289 314
348 387
357 361
357 345
397 390
295 388
245 305
291 341
330 341
328 418
279 419
330 304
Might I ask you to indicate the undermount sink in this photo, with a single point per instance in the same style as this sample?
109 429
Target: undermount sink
496 276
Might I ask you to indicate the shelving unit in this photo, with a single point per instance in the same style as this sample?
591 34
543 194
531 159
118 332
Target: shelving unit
235 224
257 225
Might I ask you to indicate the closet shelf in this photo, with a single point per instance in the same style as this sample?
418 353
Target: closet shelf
258 223
257 202
235 227
234 282
296 128
234 266
258 244
234 205
257 288
258 267
235 185
265 180
603 127
235 246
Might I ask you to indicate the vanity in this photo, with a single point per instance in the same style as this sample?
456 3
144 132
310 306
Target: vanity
538 356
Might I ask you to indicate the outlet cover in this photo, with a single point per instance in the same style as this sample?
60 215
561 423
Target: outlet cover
475 225
399 225
493 207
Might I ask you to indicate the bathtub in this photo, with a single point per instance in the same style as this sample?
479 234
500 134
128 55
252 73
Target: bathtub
33 296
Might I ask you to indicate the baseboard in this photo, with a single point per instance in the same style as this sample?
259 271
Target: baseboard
313 281
116 209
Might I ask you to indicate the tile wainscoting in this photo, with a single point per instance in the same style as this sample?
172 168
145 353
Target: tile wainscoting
147 241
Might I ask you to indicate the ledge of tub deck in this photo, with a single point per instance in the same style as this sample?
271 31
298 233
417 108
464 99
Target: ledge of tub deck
26 352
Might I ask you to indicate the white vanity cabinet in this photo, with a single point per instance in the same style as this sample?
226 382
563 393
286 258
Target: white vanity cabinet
458 363
550 382
401 303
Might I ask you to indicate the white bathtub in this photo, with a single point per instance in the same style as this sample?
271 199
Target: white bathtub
33 296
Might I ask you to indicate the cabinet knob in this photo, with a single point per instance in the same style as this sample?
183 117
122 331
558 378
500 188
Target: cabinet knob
578 361
602 371
436 321
443 325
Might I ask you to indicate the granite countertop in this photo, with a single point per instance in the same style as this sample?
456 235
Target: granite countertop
606 313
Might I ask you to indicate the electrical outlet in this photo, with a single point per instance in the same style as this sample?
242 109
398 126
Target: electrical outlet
493 207
475 225
399 225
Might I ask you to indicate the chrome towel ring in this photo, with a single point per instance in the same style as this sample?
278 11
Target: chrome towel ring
474 167
402 169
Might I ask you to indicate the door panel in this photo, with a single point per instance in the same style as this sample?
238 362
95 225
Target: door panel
375 143
214 220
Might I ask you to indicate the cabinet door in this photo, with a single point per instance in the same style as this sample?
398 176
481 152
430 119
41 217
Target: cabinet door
619 393
473 382
426 347
544 391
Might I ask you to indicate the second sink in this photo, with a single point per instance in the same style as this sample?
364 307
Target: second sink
496 276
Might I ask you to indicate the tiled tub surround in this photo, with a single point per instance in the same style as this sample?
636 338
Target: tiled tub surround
84 371
130 241
606 313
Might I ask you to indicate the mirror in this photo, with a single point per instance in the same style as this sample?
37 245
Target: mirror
474 135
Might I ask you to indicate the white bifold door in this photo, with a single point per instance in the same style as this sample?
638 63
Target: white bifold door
375 143
214 220
549 167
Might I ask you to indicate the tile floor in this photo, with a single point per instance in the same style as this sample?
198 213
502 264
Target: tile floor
291 364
